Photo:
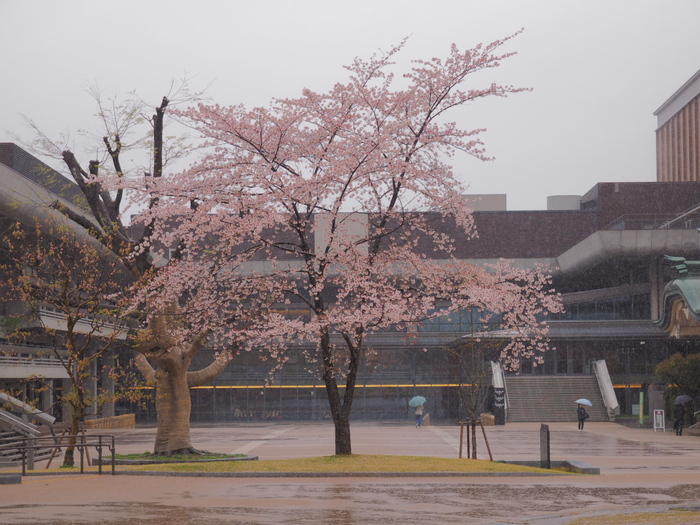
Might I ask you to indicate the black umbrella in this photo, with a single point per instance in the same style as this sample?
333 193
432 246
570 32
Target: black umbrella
682 399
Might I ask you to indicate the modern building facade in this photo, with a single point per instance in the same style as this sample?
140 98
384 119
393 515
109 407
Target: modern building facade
608 252
607 260
678 134
605 250
29 189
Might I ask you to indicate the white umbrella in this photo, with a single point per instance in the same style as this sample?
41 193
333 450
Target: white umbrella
584 401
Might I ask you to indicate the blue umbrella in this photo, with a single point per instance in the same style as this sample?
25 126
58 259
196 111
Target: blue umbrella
416 401
682 399
584 401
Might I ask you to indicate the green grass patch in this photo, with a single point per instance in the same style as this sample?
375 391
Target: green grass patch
175 457
347 464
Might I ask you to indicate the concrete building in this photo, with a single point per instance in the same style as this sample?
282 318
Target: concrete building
28 190
607 260
605 250
678 134
615 255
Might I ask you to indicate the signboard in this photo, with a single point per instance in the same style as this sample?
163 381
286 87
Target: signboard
499 406
659 420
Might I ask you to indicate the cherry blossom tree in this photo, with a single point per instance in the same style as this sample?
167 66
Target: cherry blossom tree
349 199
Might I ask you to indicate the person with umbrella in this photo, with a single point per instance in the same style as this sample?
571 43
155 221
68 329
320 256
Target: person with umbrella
581 413
680 402
417 403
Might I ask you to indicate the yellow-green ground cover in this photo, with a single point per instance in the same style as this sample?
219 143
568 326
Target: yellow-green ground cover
175 457
671 517
342 464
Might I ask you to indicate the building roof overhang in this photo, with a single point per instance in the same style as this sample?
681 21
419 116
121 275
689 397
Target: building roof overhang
678 100
608 244
588 330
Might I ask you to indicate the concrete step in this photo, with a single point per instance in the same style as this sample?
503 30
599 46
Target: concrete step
552 398
10 455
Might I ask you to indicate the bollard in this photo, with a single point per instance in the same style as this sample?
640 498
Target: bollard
544 447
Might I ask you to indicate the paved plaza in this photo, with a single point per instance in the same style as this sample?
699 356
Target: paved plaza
641 471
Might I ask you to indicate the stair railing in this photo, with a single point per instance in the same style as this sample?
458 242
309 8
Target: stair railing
15 424
32 412
606 387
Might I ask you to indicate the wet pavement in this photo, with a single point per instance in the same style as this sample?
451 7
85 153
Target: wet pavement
641 471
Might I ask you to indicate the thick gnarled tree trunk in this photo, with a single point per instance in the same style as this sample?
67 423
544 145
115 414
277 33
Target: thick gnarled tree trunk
173 402
173 407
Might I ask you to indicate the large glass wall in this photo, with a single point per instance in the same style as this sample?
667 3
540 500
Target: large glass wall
626 307
389 377
386 382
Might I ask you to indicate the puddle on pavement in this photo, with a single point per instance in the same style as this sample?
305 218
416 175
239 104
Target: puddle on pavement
354 504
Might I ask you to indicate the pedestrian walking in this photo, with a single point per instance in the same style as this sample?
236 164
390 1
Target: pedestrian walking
416 403
419 416
680 418
581 415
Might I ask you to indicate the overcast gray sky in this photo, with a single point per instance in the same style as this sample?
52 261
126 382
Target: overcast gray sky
599 69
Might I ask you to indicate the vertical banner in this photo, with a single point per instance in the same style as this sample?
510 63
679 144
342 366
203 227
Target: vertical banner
499 406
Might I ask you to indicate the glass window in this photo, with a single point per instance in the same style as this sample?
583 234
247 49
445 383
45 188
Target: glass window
605 309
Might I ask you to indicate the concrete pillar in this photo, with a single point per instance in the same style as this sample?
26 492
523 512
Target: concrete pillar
107 385
656 398
46 404
657 287
66 409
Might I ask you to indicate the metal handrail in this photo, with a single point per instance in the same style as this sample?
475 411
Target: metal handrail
650 221
27 446
16 424
31 361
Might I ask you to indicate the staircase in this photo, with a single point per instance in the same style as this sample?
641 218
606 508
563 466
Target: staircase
13 433
543 399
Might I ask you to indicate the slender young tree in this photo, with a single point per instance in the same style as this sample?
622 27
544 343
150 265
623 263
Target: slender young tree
50 270
469 361
349 197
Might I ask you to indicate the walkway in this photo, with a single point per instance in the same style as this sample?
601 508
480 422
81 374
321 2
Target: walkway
641 470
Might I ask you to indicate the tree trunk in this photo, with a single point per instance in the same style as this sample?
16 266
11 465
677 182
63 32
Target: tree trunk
173 381
340 408
343 445
69 456
341 417
173 406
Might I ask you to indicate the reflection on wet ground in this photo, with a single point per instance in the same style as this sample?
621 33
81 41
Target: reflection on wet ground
352 503
641 471
607 445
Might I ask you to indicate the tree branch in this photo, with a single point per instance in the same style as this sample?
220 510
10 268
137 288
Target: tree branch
145 367
205 375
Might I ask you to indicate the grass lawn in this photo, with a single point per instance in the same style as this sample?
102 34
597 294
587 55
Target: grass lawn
148 456
353 463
